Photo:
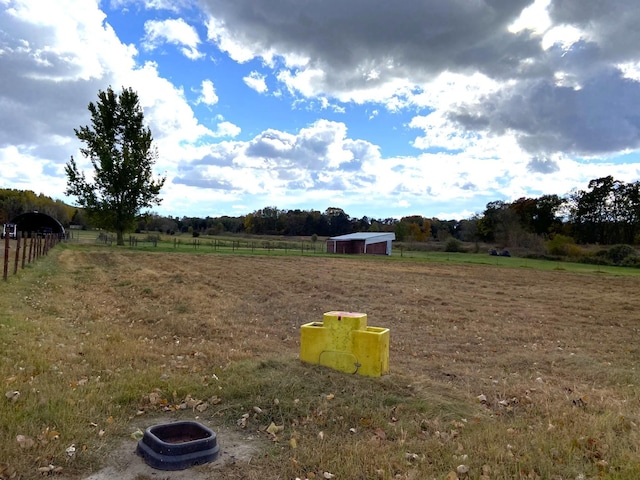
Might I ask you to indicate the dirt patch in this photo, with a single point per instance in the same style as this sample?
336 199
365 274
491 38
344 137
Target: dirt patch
237 449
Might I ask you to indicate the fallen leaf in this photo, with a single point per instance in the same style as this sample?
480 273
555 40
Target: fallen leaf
293 443
242 422
380 434
257 409
12 395
71 450
25 442
50 469
49 434
137 435
328 475
331 396
154 398
274 429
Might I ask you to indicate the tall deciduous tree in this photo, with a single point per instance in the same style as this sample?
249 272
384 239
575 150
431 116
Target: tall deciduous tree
122 153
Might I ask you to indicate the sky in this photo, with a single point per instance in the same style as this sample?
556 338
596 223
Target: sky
381 108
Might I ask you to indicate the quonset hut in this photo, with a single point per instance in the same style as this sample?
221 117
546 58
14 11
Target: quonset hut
362 243
36 223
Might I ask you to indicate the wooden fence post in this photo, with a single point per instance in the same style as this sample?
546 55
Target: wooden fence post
15 266
31 248
6 257
24 248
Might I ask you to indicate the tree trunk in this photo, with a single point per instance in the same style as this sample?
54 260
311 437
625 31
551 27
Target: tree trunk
120 237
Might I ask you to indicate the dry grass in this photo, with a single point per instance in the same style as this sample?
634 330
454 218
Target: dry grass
517 373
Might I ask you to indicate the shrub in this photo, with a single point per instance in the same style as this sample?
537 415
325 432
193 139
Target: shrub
559 245
619 254
574 251
454 245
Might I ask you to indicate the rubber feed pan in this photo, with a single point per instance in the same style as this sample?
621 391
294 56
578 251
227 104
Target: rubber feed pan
178 445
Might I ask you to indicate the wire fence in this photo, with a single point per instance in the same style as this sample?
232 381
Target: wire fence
206 244
25 248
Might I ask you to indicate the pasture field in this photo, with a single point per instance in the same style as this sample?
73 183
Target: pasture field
281 245
511 373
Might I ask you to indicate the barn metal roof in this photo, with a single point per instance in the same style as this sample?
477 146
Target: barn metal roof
366 236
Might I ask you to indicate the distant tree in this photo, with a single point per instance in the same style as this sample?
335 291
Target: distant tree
547 219
499 223
469 229
594 211
11 205
418 228
375 226
121 151
401 229
631 214
338 220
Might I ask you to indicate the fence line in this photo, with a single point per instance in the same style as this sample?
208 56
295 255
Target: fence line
38 246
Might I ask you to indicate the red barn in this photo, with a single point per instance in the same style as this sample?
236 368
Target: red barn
360 243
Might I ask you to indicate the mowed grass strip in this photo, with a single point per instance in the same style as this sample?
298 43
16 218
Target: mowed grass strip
515 373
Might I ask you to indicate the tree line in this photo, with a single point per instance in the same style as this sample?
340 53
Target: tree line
607 212
15 202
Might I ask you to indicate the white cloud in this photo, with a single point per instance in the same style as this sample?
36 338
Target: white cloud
174 31
237 47
207 93
535 17
256 81
171 5
226 129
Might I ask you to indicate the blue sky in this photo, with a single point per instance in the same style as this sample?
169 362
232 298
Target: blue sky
384 109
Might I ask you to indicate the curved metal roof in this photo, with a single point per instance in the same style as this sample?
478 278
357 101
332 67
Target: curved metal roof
36 222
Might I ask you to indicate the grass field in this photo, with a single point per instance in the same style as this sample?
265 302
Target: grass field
507 369
274 245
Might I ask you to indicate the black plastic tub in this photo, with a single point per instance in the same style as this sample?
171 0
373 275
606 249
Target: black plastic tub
178 445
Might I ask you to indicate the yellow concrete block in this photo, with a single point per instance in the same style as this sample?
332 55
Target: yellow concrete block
345 320
344 342
371 348
313 341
